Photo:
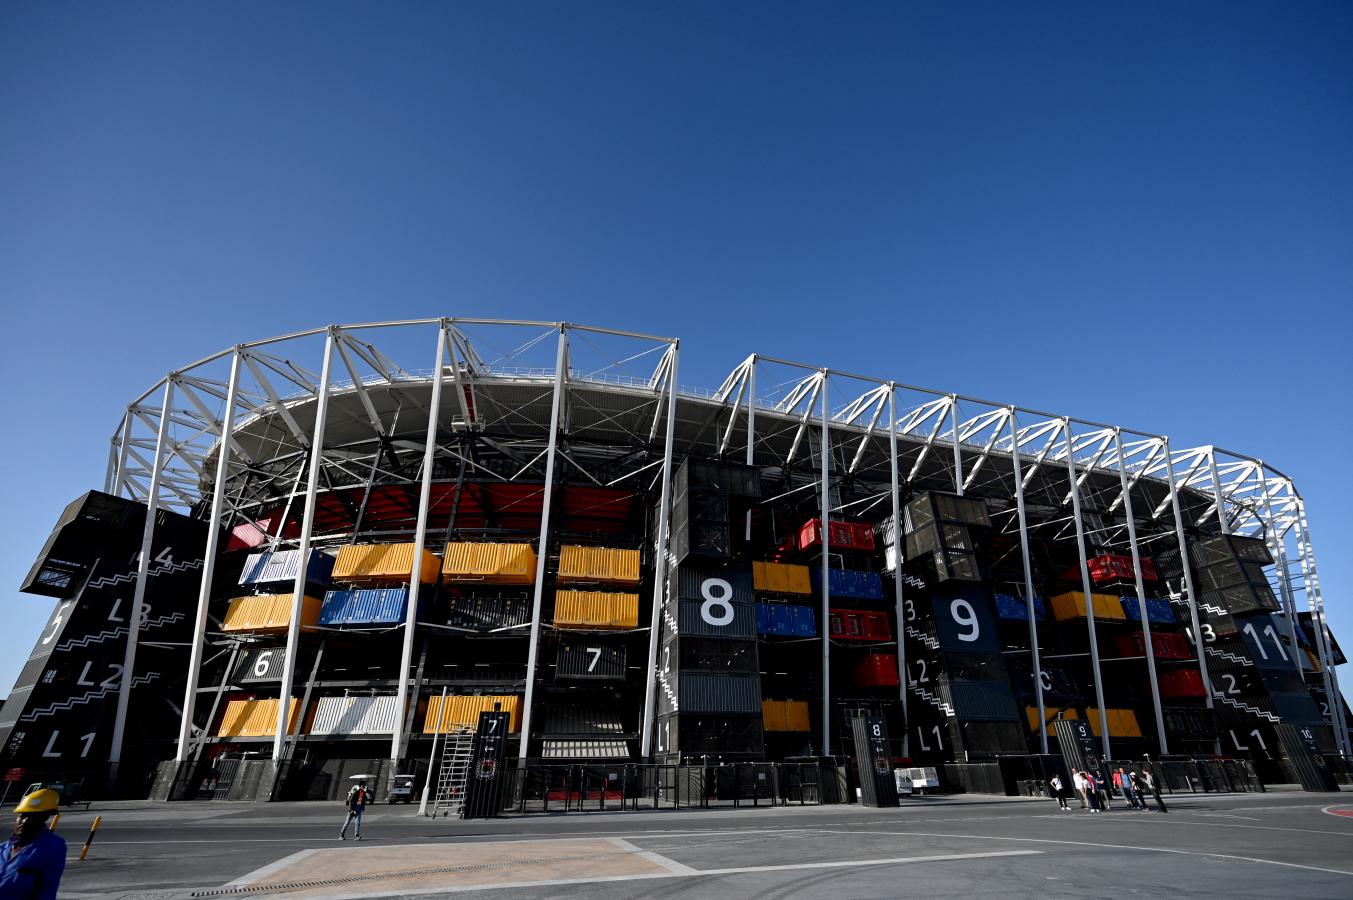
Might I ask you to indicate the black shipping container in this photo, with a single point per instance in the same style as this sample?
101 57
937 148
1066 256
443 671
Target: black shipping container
980 700
735 620
709 692
596 660
259 664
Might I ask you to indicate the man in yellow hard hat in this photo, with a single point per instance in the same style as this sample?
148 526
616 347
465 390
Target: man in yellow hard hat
32 860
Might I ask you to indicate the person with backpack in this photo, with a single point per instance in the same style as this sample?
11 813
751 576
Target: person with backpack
1124 787
356 802
1152 784
1058 791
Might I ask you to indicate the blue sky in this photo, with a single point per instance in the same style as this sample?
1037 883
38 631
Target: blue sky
1138 214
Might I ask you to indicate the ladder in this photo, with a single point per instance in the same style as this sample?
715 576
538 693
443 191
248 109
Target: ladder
454 773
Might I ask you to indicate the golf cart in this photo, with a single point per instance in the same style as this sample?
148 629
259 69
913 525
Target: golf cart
401 789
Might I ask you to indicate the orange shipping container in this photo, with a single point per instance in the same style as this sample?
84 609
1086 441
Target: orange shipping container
781 578
785 715
599 564
1071 605
1122 722
373 563
595 609
465 710
255 718
490 563
1050 713
268 613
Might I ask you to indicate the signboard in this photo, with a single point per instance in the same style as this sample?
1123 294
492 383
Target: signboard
878 787
484 787
14 774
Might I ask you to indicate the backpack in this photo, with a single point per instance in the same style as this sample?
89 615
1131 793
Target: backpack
351 802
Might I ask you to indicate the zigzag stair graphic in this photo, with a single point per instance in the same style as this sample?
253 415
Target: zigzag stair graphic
69 704
930 641
932 699
107 634
667 690
152 572
1252 710
1229 656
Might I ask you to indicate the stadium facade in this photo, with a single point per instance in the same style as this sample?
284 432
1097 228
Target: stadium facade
335 554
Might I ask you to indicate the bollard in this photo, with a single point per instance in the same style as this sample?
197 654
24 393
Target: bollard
98 820
56 818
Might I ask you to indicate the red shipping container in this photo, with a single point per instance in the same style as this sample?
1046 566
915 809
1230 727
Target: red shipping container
876 670
843 535
1164 645
860 625
1181 683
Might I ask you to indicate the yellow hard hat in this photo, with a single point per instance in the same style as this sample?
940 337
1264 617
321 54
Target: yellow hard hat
45 800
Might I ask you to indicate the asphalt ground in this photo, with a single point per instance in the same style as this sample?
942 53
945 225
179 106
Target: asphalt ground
1285 843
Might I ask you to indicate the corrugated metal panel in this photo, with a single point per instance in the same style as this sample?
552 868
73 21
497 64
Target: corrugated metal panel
851 583
1049 715
254 718
355 715
595 609
982 700
722 692
785 715
373 606
785 620
598 564
268 613
1122 722
259 664
1157 611
694 583
860 625
495 563
1182 683
1071 605
877 670
781 578
594 660
692 622
1013 608
281 565
465 710
488 613
367 563
584 750
580 720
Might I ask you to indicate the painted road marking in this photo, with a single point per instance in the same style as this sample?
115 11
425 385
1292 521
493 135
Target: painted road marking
1346 811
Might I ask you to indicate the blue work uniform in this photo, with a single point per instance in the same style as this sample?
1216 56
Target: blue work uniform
35 871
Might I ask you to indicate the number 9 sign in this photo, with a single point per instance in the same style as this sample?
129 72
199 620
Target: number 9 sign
964 623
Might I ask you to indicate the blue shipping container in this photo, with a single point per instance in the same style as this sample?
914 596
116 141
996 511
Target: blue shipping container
383 606
763 624
1013 609
1157 611
850 583
805 621
280 566
785 620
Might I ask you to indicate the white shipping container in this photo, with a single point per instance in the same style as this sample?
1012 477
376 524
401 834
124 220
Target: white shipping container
354 715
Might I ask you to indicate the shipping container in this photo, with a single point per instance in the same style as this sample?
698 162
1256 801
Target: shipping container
1014 609
1163 645
1158 612
268 614
700 582
569 720
259 664
595 609
1050 714
785 620
734 479
255 718
860 625
484 614
465 709
841 536
979 701
780 578
276 566
719 692
736 620
1122 722
603 565
876 670
595 659
497 563
355 715
1181 683
1071 605
372 606
584 749
1107 568
850 584
373 563
785 715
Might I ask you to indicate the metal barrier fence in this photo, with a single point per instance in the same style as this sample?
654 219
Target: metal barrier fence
632 786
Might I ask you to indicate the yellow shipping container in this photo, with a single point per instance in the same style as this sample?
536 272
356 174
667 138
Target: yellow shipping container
1050 713
601 564
1071 605
595 609
785 715
1122 722
371 563
465 710
268 613
255 718
781 578
490 563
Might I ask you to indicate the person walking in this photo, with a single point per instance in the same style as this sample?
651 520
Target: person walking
1078 779
1138 793
1124 787
32 860
1101 787
356 802
1153 785
1058 791
1091 793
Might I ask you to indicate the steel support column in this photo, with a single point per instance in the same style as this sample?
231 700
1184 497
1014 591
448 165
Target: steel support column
1141 592
303 550
751 428
1275 545
1323 649
958 456
560 374
825 500
209 561
124 444
895 488
1085 586
660 553
1028 580
124 688
419 542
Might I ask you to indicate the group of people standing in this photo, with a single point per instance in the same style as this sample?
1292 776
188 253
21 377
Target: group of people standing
1093 789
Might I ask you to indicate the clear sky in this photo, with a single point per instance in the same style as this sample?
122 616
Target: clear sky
1137 213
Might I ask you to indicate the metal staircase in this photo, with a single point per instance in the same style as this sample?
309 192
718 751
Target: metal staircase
449 796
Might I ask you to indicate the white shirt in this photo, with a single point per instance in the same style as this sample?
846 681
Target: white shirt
1080 781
